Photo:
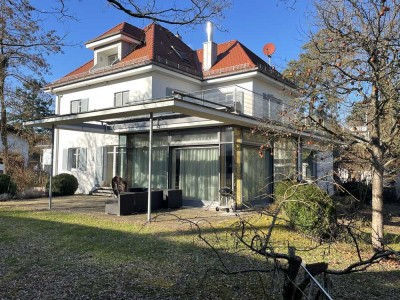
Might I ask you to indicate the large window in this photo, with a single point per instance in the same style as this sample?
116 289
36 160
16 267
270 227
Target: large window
121 98
78 106
285 159
110 161
74 159
309 164
138 159
257 175
195 171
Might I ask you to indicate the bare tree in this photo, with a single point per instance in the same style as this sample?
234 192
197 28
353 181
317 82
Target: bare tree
24 45
296 274
183 12
352 60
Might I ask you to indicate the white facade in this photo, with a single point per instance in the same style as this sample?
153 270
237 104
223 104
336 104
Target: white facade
248 94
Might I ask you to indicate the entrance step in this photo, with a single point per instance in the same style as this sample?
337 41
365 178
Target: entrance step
102 191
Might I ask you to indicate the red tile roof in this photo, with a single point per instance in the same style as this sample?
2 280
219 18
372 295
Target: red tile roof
160 46
82 69
122 28
229 54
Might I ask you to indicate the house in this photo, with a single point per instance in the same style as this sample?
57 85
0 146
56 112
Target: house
145 89
17 146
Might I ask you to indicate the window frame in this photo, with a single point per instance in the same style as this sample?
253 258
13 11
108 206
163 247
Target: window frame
109 57
124 100
74 159
82 106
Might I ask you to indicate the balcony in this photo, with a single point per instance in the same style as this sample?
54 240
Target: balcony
240 101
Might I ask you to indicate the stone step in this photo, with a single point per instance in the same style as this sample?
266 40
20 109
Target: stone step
102 191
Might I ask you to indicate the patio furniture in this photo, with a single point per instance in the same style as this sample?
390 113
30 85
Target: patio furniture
133 202
172 198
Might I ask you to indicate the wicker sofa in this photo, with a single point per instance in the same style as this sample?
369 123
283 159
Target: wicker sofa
133 202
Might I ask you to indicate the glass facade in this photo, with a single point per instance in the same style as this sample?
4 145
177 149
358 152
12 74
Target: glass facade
257 177
309 164
285 159
195 172
200 162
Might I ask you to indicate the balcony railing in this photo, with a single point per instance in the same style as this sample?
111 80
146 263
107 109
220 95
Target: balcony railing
241 101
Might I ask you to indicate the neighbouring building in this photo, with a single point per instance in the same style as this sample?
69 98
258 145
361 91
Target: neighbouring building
18 148
200 107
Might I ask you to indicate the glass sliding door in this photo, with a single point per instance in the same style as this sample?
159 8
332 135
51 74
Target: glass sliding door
139 166
111 161
257 175
195 171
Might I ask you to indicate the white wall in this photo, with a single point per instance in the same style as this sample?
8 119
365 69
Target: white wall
275 89
162 81
91 141
102 95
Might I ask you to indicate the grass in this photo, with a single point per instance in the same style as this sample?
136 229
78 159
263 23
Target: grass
69 254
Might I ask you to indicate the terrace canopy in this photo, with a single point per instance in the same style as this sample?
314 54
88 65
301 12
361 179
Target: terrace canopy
105 120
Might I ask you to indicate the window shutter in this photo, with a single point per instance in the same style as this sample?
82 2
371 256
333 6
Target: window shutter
125 97
65 160
85 105
118 99
82 159
74 107
99 165
69 158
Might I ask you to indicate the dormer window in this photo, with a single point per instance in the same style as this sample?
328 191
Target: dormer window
112 59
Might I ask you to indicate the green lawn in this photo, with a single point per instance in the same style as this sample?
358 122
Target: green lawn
80 255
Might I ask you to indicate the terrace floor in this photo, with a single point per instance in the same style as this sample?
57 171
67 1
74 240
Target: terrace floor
95 205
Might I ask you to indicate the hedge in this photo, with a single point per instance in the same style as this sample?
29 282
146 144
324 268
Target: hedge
7 185
309 209
63 184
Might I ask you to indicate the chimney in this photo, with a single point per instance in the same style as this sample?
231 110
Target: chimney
209 49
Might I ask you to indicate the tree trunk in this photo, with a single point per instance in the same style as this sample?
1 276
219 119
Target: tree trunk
377 208
377 196
3 120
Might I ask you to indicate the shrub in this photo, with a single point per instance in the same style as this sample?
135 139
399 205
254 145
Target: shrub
7 185
359 190
309 209
63 184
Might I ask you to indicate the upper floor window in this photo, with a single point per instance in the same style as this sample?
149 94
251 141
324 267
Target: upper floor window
121 98
112 59
78 106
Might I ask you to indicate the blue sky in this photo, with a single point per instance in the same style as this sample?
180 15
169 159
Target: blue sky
253 22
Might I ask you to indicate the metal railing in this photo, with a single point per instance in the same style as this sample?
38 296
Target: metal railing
316 290
241 101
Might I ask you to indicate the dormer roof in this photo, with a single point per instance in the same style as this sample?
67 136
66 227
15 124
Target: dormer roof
123 29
